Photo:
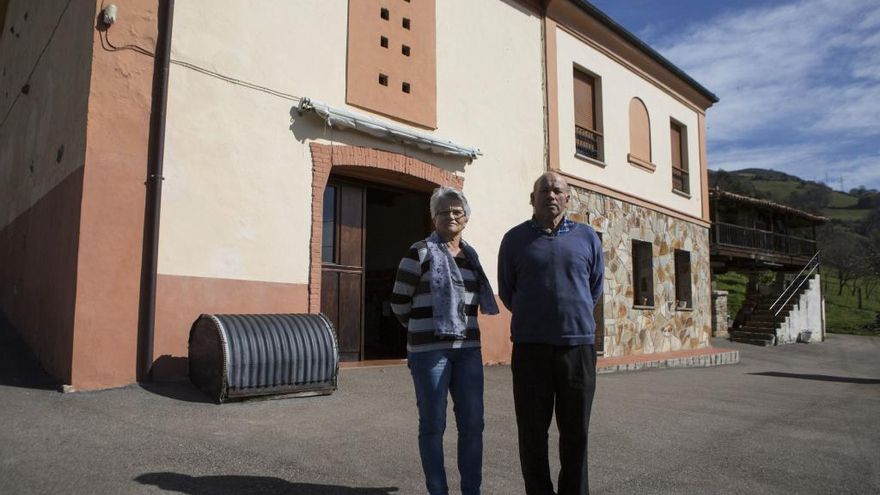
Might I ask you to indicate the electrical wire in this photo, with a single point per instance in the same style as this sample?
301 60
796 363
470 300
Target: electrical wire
143 51
36 63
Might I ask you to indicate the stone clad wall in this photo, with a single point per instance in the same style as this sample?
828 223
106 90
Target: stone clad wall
719 313
630 331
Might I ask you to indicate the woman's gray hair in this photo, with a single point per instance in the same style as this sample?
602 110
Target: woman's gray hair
445 192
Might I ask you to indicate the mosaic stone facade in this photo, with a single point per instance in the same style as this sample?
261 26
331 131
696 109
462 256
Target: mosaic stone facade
631 330
719 313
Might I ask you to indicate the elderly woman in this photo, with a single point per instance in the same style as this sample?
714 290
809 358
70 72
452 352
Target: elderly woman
440 285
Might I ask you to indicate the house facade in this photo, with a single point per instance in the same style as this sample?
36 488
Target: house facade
285 162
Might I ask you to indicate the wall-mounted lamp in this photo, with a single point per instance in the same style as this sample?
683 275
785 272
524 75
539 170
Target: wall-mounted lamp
108 15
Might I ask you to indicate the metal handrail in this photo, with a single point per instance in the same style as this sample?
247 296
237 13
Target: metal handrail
587 142
815 264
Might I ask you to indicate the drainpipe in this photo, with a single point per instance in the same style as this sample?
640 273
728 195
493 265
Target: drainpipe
146 330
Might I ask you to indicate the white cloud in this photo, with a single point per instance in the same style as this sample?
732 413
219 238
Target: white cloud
809 162
799 78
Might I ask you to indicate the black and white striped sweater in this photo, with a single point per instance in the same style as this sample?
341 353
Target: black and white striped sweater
411 302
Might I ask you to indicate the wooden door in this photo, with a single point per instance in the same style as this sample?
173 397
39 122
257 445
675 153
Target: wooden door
342 267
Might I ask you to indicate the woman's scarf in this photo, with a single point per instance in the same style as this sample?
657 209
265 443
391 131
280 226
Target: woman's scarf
447 288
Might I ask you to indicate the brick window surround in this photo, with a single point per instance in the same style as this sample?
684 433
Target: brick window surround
387 167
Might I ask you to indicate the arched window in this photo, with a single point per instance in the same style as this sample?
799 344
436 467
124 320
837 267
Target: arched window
639 135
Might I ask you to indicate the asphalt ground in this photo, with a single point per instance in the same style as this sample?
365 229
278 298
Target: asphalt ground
798 419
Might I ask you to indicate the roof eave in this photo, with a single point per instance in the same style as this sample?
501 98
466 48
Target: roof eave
644 47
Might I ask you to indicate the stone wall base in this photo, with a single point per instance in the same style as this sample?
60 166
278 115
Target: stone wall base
699 358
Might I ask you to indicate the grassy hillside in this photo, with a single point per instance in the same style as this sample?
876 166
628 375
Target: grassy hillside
777 190
793 191
845 214
842 200
841 311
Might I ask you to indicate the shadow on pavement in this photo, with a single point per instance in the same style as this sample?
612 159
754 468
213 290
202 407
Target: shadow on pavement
18 365
208 485
823 378
184 391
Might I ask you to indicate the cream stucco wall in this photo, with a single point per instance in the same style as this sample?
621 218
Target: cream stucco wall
619 85
237 191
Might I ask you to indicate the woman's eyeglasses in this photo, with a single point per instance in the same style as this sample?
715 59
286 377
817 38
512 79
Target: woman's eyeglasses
455 214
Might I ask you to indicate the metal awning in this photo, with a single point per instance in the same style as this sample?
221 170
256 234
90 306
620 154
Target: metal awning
341 118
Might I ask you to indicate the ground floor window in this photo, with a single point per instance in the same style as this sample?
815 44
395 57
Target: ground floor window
643 273
683 284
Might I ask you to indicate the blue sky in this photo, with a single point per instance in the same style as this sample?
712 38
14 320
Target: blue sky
799 80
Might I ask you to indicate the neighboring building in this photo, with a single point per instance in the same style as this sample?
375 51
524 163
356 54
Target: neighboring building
293 166
755 237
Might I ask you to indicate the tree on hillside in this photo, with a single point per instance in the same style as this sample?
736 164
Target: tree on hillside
872 272
867 198
811 197
844 252
870 227
732 182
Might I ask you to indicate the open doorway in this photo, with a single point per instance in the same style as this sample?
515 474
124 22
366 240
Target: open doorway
395 220
367 229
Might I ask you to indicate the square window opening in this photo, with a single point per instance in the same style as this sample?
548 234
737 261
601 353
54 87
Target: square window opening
405 50
405 87
406 23
383 79
384 14
383 42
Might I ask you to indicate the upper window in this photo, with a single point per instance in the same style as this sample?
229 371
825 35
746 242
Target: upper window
643 273
587 116
680 177
639 135
683 284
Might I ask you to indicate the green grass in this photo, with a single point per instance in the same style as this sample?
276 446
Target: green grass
842 200
778 190
846 215
735 285
841 311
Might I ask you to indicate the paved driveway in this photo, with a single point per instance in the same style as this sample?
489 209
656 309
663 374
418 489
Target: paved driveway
795 419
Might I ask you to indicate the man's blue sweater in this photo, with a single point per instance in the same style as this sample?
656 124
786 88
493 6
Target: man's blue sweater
550 282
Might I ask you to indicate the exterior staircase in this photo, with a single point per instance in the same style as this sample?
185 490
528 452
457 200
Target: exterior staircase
767 324
761 327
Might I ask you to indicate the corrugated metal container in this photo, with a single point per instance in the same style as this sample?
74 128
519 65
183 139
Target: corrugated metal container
234 356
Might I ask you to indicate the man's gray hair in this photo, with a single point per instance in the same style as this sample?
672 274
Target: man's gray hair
445 192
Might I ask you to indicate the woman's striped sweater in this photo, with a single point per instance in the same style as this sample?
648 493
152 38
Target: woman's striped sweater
411 302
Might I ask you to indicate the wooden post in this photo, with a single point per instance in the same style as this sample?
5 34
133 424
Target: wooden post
860 297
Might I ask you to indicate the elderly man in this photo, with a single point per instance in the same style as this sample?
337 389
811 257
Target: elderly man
550 275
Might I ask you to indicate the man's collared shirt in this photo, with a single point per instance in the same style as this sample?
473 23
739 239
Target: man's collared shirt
565 226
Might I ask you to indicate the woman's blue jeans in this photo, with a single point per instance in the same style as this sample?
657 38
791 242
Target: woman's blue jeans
436 374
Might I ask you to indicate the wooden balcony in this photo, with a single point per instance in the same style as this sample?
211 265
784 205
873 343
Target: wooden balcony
751 233
725 234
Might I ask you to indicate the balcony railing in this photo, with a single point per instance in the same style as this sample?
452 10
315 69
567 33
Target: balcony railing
762 240
681 180
587 142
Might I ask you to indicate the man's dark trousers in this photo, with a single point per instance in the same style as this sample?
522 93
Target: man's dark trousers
545 376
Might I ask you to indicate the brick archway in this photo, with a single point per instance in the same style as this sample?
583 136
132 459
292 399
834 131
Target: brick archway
364 163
